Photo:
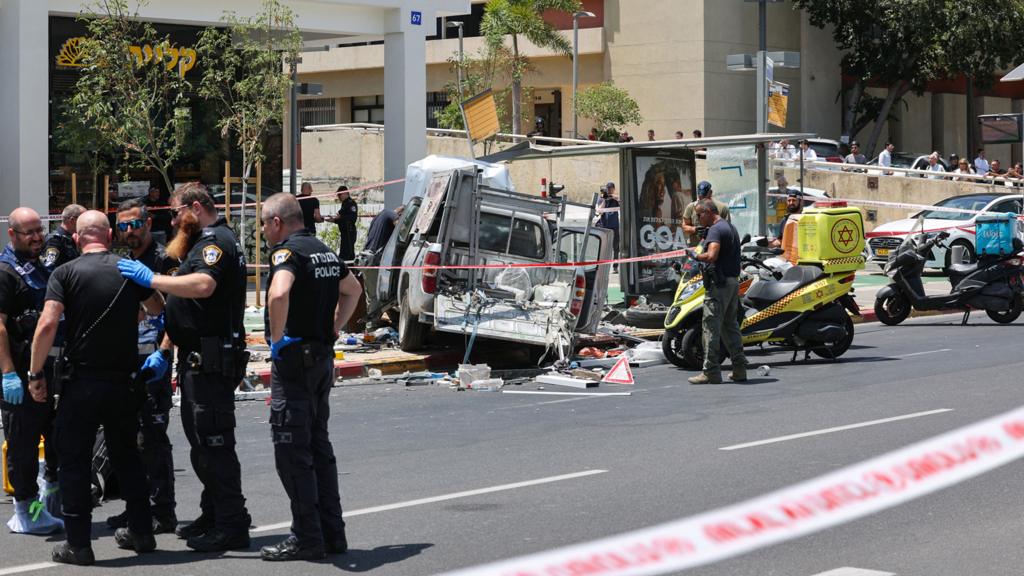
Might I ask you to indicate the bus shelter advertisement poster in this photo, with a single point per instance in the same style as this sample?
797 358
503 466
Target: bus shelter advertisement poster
664 188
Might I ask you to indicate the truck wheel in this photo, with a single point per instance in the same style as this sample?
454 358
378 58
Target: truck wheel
683 348
411 334
1016 307
892 310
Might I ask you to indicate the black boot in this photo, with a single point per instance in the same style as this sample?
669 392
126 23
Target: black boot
128 540
289 549
218 541
166 525
198 527
337 545
65 553
118 521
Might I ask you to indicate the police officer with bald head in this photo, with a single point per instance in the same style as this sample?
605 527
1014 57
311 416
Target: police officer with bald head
95 385
302 331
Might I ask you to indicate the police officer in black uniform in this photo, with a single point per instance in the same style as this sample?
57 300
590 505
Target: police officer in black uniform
22 288
135 228
60 246
348 215
302 331
205 302
95 385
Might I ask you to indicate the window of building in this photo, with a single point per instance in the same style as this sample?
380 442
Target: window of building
316 112
368 109
436 102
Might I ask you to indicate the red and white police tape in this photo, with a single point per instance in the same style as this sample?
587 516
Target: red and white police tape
801 509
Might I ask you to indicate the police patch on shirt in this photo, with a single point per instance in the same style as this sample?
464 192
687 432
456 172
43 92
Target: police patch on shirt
50 256
212 254
281 256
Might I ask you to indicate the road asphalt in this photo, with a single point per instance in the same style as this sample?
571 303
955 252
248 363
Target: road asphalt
408 456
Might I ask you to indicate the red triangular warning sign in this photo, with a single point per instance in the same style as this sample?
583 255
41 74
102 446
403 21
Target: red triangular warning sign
620 372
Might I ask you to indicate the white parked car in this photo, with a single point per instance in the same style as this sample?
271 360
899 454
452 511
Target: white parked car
886 238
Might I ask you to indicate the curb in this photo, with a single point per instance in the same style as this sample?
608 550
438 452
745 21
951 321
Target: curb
360 369
870 316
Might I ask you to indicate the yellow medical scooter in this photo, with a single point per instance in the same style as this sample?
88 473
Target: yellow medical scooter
805 309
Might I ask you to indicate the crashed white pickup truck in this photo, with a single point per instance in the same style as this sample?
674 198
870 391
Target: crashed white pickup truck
466 213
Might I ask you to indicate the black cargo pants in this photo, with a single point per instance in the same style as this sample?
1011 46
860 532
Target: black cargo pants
24 425
300 385
155 445
208 419
86 403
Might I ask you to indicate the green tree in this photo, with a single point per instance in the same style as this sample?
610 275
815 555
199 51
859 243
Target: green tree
478 74
245 79
904 44
132 100
610 107
524 18
75 137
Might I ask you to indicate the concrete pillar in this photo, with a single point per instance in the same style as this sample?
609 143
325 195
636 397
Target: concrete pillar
24 146
405 112
820 81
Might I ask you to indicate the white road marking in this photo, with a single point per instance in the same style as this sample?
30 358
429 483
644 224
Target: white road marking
372 510
923 353
835 429
854 572
444 497
550 393
28 568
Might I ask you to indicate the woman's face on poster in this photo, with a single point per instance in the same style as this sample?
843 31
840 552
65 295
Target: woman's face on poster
659 184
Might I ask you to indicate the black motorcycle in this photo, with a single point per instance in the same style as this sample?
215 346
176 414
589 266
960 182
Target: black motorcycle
992 284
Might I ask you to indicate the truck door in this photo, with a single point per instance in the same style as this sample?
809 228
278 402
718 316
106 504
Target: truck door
599 247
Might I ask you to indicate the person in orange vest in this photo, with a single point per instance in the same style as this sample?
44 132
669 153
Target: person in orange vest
787 239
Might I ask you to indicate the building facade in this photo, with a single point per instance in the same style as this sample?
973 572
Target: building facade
670 56
37 59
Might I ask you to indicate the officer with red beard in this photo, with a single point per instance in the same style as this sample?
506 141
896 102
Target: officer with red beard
204 321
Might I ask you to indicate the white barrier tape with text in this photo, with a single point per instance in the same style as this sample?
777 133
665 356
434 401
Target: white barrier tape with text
811 506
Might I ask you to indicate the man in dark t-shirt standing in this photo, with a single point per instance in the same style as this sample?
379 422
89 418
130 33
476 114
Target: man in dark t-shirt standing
310 208
100 310
721 257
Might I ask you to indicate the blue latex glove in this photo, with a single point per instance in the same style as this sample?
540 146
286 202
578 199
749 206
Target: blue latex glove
157 322
157 364
136 272
276 347
13 392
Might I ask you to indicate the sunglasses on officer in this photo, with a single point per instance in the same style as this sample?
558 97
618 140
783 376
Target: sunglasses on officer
135 224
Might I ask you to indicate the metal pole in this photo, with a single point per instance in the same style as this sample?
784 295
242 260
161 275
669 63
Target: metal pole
762 118
970 120
575 70
462 63
294 120
258 232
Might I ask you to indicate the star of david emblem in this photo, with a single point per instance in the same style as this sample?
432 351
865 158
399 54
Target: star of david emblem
846 235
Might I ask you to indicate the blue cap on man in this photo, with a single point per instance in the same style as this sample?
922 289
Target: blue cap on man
704 188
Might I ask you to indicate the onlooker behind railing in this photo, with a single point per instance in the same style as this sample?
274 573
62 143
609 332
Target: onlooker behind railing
885 157
981 165
963 167
934 166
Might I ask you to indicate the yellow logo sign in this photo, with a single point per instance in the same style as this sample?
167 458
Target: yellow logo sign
184 59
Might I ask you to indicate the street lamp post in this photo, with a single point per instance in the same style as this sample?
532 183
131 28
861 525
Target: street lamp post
576 64
459 25
462 96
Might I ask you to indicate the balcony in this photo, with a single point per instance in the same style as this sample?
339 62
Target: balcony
592 41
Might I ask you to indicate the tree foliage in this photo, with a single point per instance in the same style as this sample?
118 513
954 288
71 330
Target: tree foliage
135 106
610 107
479 73
523 18
904 44
244 76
